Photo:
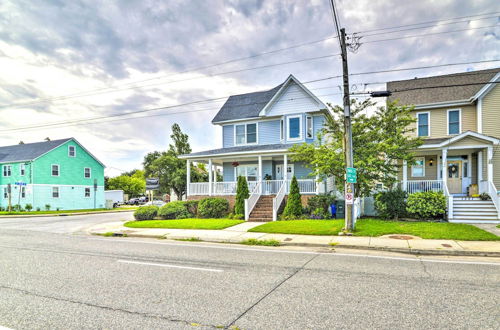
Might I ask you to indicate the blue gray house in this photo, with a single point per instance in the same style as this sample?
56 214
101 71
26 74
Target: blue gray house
258 129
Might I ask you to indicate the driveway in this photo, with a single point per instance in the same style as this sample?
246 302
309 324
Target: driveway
63 224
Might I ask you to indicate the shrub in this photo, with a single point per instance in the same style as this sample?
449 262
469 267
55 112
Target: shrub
235 216
47 207
38 209
213 207
320 201
17 208
146 212
391 204
426 205
174 210
242 193
293 207
320 213
192 207
28 207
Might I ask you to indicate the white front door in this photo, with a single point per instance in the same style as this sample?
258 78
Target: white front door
279 171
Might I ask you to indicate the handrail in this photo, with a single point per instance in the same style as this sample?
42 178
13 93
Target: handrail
492 191
278 200
251 201
449 199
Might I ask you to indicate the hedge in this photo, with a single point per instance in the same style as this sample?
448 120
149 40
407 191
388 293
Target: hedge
213 207
146 212
174 210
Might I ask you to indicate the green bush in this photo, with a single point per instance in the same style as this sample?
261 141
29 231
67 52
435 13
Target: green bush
47 207
320 202
427 205
242 193
293 207
320 213
28 207
174 210
192 207
17 208
235 216
213 207
146 212
391 204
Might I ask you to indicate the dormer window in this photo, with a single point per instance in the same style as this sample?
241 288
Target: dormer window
423 124
71 151
454 122
245 133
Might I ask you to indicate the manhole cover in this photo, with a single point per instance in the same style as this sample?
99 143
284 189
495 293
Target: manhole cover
401 237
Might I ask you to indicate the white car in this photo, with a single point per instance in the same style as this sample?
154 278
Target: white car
158 203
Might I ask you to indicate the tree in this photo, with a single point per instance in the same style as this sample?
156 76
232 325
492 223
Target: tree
380 143
167 166
293 207
132 186
242 193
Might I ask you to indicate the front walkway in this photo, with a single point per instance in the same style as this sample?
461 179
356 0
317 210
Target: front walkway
239 234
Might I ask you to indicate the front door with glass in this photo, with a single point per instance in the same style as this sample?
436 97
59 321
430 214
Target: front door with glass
454 176
279 171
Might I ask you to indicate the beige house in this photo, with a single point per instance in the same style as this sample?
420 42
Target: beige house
458 116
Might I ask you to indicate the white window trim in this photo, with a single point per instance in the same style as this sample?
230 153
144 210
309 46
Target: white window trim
282 129
22 167
423 168
5 193
256 134
308 117
69 147
90 173
3 171
246 171
58 170
428 123
84 192
448 121
58 192
288 138
23 191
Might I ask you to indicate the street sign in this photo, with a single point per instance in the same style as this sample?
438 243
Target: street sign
351 175
349 198
152 183
20 183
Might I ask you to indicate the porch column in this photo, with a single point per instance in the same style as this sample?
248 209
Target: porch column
490 164
260 174
285 172
317 185
188 176
405 174
479 167
210 174
444 164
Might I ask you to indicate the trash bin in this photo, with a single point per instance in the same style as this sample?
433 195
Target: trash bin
333 210
340 209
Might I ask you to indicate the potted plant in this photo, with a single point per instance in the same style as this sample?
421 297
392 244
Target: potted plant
484 197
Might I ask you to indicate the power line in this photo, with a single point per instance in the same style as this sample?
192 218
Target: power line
429 34
182 80
427 22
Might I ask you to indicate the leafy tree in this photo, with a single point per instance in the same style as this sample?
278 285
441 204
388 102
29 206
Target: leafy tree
132 186
242 193
380 143
293 207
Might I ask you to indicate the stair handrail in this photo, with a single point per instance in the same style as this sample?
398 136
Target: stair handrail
493 193
278 199
449 198
251 201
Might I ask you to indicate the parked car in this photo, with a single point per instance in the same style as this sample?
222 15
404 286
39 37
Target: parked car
156 202
137 200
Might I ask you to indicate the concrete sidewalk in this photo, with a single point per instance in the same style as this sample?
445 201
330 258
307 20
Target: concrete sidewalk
239 233
61 214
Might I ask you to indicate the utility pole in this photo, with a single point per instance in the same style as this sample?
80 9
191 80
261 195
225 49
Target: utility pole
349 187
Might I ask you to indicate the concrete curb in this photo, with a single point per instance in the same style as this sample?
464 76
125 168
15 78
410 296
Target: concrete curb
463 253
60 214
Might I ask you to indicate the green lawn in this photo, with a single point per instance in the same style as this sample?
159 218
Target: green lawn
185 223
374 228
63 211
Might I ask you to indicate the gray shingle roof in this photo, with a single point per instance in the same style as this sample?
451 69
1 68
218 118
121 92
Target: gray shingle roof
28 151
442 94
221 151
245 105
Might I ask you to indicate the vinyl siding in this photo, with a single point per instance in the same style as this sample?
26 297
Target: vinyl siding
430 171
491 112
468 141
438 121
228 136
293 100
269 132
318 122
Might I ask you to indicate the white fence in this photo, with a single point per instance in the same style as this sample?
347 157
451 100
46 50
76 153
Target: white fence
252 200
422 185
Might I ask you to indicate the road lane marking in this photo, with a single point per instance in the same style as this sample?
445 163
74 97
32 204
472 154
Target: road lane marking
169 266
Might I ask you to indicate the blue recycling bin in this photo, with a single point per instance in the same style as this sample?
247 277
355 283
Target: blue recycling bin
333 209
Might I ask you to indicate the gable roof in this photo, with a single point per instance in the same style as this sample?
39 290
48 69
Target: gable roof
443 142
254 105
420 93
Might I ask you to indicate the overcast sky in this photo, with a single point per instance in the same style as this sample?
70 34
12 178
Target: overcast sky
50 49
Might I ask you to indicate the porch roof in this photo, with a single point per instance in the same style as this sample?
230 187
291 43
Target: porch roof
447 142
253 149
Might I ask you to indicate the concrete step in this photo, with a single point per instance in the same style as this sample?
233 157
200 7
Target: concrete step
471 202
475 217
472 214
475 206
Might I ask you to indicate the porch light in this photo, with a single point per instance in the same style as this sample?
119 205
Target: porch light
431 161
235 164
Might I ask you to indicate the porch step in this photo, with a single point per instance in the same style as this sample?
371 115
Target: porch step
263 210
473 210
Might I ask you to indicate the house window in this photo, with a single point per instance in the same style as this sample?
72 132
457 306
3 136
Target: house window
246 134
418 170
86 172
294 128
250 172
22 169
282 129
71 151
5 192
453 122
423 124
309 127
55 192
7 170
23 192
55 170
87 192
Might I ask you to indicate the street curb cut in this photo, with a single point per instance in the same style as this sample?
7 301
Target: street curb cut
355 247
60 214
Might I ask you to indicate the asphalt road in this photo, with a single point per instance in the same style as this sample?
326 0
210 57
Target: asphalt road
64 281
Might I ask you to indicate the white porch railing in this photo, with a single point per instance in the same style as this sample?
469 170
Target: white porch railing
251 201
278 200
422 185
269 187
489 188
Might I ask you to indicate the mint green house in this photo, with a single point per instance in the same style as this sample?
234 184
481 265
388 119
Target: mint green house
59 173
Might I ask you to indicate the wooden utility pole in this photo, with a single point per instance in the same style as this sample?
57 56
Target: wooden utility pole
349 187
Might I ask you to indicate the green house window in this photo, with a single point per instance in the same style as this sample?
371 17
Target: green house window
7 170
55 192
55 170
